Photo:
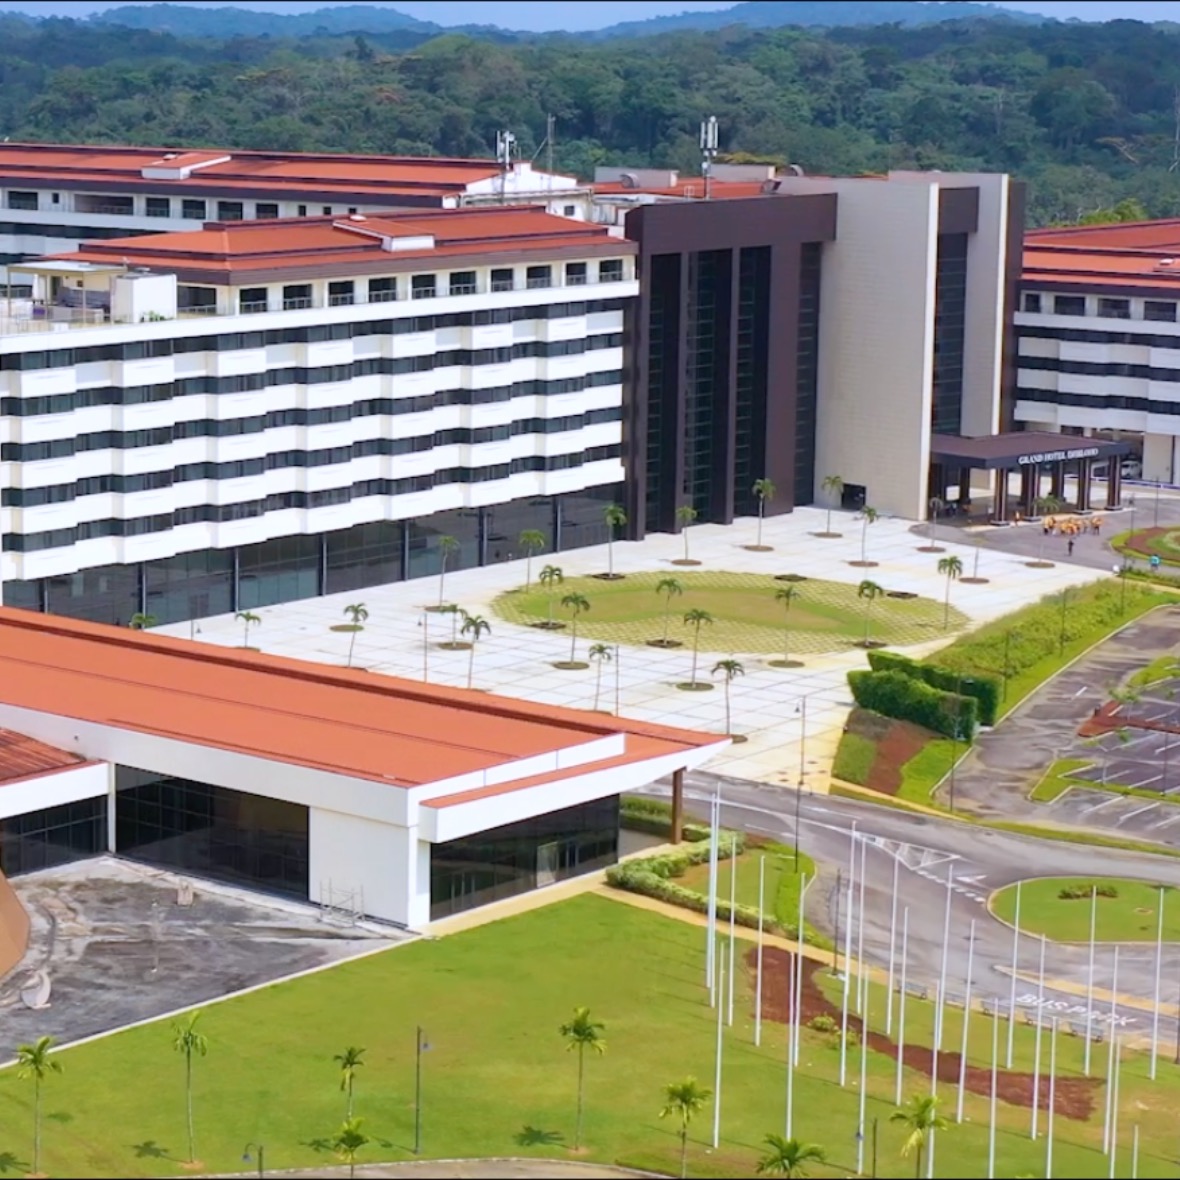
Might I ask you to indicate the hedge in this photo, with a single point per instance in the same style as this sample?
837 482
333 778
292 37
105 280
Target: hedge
654 816
652 876
986 690
908 699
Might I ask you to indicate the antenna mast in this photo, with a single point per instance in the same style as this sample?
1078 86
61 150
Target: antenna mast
505 147
708 152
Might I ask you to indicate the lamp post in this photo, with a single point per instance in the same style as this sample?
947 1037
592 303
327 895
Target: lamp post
1061 637
259 1150
420 1047
801 709
958 731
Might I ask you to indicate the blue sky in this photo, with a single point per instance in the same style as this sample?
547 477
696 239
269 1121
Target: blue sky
542 15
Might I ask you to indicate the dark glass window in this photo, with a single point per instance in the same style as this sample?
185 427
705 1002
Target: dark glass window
1163 311
582 515
301 211
750 389
950 310
22 200
190 586
341 293
1069 305
504 523
158 207
539 276
575 274
1114 309
266 210
296 296
422 286
382 290
282 570
193 209
425 539
462 282
200 300
515 858
503 279
252 300
53 836
103 594
212 832
806 373
1032 302
230 210
662 389
25 595
366 555
610 270
706 365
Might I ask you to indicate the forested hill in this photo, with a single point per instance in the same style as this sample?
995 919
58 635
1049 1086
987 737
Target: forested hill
1089 114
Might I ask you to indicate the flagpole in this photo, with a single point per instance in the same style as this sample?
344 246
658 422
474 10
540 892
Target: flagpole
1052 1100
1036 1105
792 1025
758 983
933 1094
1114 1118
1135 1152
905 948
1090 982
966 1023
798 966
711 918
862 985
1012 996
892 950
946 939
733 868
1110 1060
991 1130
1155 1013
864 1085
847 988
717 1070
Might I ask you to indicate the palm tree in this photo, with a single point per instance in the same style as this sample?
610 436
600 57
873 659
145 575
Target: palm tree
140 622
615 518
475 626
447 547
732 669
786 595
349 1140
248 619
581 1034
670 588
191 1043
349 1062
920 1117
576 604
935 506
789 1157
357 614
682 1100
868 516
531 541
685 515
600 654
696 619
34 1062
550 578
951 568
764 489
833 488
870 592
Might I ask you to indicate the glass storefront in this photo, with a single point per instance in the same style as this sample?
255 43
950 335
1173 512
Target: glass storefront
583 516
368 555
425 558
190 586
104 594
212 832
504 523
518 857
54 836
282 570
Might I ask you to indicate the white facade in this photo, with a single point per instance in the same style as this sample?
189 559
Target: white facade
1108 363
877 329
132 442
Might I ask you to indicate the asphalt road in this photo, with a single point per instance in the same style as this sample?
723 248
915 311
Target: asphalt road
926 850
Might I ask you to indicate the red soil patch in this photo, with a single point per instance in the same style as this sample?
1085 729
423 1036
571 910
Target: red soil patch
1107 720
1073 1098
902 741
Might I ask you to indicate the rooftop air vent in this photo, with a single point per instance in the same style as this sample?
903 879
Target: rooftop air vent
1167 262
169 155
357 217
629 180
795 170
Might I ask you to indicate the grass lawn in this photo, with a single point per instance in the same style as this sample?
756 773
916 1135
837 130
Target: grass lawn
854 758
826 616
1056 781
1160 669
925 770
782 881
497 1079
1132 916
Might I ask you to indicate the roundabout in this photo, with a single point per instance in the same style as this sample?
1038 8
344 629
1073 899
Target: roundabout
1125 910
1163 543
782 615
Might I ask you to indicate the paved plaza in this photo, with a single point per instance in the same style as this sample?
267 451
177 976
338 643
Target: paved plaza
769 704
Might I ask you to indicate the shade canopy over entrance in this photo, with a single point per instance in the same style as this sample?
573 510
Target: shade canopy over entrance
1033 454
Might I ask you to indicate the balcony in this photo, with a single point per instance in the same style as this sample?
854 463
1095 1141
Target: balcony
503 285
253 306
298 303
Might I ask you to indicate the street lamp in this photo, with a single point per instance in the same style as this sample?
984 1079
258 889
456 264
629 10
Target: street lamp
1061 637
801 709
421 1046
261 1152
962 680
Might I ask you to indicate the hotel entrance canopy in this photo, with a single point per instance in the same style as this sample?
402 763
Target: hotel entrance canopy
1033 454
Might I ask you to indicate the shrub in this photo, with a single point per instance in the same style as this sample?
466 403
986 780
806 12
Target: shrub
1083 892
908 699
654 816
822 1023
985 689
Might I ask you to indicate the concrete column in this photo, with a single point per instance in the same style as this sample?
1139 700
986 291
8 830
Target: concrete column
1083 497
1114 483
1057 481
676 833
1030 482
1000 507
964 485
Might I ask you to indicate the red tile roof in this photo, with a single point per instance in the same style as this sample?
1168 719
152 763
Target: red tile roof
686 189
1131 255
23 757
393 731
251 246
256 173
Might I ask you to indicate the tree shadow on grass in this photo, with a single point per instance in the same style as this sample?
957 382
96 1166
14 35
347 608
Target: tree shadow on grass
60 1116
529 1136
10 1162
149 1149
319 1145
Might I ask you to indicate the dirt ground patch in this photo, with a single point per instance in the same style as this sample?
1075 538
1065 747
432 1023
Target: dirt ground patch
901 742
1074 1097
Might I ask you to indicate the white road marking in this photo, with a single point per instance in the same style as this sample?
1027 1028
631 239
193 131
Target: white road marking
1100 806
1131 814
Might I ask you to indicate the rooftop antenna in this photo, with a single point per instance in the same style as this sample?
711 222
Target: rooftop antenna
708 152
550 137
505 148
